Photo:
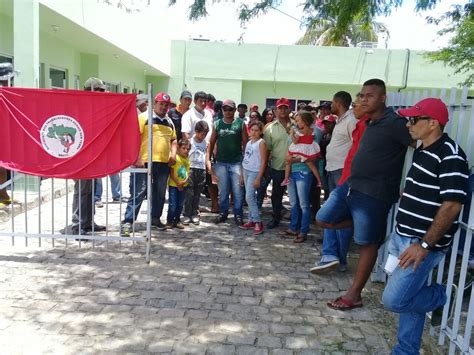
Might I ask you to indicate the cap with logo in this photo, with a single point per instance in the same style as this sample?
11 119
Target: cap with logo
330 118
163 97
186 94
430 107
228 103
283 102
94 83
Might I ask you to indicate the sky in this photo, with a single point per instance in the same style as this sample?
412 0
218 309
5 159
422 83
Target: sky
407 28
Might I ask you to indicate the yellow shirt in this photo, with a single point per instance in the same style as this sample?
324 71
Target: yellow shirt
181 169
163 134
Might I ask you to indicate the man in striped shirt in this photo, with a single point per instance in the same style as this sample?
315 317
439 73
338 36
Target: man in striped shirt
435 190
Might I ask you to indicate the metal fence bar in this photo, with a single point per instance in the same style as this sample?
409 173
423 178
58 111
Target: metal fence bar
149 194
52 208
39 210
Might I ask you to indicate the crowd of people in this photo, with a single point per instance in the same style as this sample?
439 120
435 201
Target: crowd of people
353 149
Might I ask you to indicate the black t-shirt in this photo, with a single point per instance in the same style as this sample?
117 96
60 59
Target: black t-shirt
176 116
377 165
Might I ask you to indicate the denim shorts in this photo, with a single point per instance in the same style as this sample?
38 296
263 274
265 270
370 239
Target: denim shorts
368 214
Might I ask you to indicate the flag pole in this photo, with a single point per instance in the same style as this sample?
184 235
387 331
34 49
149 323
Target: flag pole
149 169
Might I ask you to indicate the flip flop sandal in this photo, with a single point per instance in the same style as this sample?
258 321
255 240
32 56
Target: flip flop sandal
341 304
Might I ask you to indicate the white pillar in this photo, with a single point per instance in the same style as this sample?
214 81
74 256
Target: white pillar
26 42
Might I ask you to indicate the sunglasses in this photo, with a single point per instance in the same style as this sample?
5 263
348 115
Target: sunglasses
228 109
414 120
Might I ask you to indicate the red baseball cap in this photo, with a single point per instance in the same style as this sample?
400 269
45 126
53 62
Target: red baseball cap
330 118
252 106
163 97
430 107
283 102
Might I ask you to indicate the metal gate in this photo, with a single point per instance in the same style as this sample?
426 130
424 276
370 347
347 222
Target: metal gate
457 324
41 209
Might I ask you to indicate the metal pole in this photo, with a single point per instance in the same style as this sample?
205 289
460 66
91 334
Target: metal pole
149 169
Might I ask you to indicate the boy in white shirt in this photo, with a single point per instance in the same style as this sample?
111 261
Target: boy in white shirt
197 175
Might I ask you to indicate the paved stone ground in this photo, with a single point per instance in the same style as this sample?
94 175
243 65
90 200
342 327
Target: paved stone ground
207 290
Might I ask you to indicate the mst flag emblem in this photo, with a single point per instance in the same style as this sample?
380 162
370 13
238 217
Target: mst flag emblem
67 133
62 136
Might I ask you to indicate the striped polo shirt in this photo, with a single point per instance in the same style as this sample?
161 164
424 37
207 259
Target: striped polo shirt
439 173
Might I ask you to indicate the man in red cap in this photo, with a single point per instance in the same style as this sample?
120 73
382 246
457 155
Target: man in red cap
276 138
435 189
163 154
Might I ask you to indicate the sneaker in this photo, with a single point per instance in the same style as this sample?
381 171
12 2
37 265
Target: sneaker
342 268
155 222
325 266
120 199
239 221
178 225
258 228
285 182
195 220
248 225
273 224
169 225
125 230
186 221
97 228
99 204
220 218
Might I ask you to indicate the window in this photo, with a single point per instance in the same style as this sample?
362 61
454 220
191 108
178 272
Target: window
270 102
57 78
6 59
112 87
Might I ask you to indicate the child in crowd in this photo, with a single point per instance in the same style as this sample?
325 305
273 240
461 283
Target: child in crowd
254 164
197 175
179 176
302 146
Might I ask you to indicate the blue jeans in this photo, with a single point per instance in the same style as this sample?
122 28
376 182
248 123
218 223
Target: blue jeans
333 178
336 244
299 190
368 214
229 178
138 189
408 294
175 204
115 184
251 195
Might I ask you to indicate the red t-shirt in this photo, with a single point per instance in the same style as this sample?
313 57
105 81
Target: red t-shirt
357 134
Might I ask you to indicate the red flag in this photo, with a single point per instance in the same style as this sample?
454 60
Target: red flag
67 133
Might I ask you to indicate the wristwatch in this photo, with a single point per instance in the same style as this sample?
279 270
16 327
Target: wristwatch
426 245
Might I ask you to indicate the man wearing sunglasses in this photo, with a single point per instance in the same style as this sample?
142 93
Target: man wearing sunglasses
435 189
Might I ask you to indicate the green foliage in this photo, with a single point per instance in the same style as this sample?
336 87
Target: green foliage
459 54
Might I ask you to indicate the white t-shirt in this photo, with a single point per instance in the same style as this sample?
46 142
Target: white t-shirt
341 141
252 157
197 154
193 116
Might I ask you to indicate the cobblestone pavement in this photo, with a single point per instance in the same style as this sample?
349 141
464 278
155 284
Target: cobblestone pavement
207 290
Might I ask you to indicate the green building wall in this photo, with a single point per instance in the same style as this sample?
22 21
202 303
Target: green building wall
251 73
